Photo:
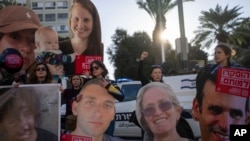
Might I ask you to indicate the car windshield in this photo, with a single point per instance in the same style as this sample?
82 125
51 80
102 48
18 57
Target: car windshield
130 91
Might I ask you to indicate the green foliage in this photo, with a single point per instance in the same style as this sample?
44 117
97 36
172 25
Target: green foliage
157 9
218 25
125 51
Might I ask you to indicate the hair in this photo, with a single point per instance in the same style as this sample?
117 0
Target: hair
42 30
139 101
209 72
12 99
33 79
95 46
94 81
100 64
227 50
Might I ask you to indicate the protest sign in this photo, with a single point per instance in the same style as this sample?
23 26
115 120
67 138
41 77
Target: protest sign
82 63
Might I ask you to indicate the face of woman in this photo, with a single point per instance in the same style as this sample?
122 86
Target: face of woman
41 71
23 41
159 112
76 81
20 126
81 22
220 57
156 74
96 70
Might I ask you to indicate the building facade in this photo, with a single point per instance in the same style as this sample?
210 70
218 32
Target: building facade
52 13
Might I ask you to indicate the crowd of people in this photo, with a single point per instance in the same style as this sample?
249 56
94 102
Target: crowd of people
90 100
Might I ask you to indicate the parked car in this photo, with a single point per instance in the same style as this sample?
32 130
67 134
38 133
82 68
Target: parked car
182 85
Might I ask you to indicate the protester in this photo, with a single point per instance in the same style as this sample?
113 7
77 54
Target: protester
216 111
85 27
158 111
155 73
99 103
40 74
222 55
20 110
68 96
17 27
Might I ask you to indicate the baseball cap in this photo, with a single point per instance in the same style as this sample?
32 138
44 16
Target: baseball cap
15 18
111 89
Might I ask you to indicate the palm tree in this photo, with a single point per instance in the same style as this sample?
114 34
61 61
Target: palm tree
157 9
217 25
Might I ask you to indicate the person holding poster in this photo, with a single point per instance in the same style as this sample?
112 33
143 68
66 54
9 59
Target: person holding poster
17 27
216 111
99 104
85 27
20 112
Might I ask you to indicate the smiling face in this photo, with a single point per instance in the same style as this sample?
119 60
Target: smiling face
100 106
162 122
81 22
217 112
23 41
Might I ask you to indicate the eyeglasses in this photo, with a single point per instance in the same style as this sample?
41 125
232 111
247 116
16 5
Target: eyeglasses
164 106
40 69
94 68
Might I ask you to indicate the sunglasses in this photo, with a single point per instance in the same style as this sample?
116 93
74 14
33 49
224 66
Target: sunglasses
164 106
94 68
40 69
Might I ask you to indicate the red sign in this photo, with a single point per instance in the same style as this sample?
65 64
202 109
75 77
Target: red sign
234 81
69 137
82 63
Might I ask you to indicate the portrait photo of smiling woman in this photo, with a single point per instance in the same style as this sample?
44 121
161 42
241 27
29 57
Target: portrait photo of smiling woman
158 111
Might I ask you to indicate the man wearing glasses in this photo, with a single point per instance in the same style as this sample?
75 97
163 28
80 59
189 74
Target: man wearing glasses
216 111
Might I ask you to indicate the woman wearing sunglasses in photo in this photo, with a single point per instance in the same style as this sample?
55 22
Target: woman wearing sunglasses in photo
158 111
40 75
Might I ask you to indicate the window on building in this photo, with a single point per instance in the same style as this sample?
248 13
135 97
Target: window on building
37 5
50 17
40 17
63 29
62 16
50 5
62 4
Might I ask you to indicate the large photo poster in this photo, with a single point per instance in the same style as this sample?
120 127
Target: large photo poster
30 112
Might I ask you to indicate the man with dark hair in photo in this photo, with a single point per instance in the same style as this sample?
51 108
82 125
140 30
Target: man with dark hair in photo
216 111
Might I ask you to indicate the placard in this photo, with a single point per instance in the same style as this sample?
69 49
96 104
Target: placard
41 104
69 137
234 81
82 63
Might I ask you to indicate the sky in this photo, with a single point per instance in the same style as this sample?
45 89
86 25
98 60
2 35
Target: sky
125 14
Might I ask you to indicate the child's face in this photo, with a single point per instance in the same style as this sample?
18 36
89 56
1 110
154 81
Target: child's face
48 41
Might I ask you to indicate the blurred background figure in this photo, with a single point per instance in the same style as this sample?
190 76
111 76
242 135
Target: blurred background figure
68 96
40 74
